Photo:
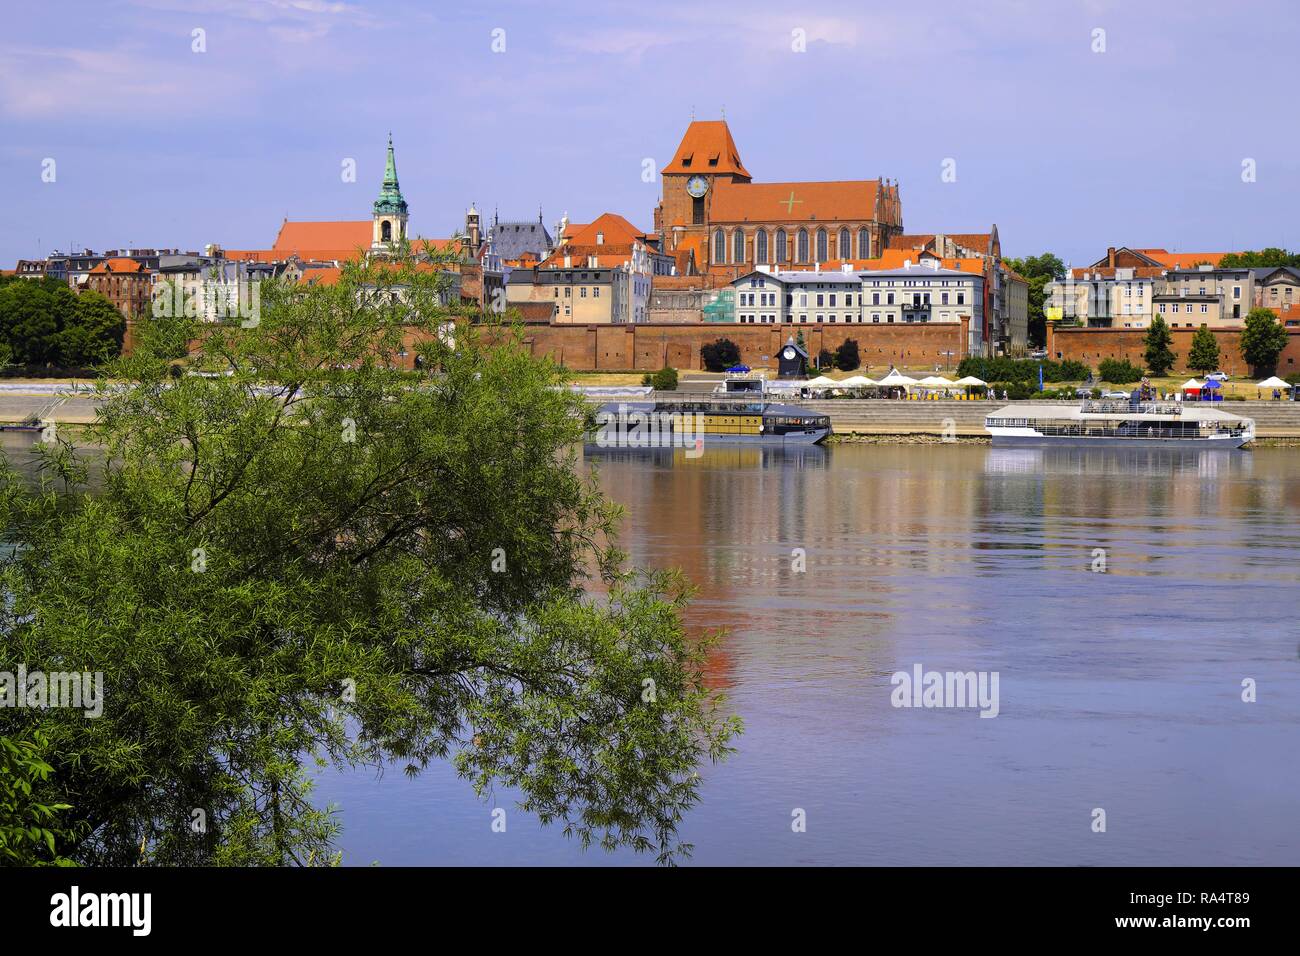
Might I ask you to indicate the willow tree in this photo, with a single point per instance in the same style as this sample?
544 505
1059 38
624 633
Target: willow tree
309 552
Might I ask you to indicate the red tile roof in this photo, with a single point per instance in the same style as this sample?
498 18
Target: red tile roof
314 236
794 202
615 230
118 266
707 147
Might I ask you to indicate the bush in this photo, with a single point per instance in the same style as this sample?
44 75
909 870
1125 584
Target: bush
825 359
1016 391
846 356
664 380
720 355
1022 370
1119 371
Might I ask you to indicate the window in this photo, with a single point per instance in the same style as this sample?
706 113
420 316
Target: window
819 317
1205 308
719 246
820 300
943 298
1236 292
875 298
595 292
697 210
738 246
821 245
864 244
582 293
801 246
875 316
568 292
782 253
760 246
846 244
831 302
961 298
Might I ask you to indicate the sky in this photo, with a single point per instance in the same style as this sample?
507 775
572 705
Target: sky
1073 126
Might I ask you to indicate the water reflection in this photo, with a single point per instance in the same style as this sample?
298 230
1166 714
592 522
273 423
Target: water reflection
1108 462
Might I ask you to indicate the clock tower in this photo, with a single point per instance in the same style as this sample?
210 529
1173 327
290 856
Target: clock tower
706 157
389 209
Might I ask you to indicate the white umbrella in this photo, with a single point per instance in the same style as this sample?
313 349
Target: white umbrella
896 378
970 380
858 381
822 381
1273 382
936 381
1190 383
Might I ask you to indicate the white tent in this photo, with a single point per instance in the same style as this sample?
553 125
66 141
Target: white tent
971 380
821 381
1190 383
858 381
896 379
936 381
1273 382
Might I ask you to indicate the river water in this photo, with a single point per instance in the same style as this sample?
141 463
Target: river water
1118 690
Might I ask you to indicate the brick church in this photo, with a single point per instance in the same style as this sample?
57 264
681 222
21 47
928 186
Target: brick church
714 214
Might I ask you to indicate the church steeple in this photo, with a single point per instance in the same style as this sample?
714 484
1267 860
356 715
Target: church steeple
390 208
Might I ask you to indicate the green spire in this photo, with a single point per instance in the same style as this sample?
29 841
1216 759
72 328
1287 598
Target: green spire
390 194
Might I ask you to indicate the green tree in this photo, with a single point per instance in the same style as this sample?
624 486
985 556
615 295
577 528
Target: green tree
1269 257
1038 271
1159 356
30 830
93 334
32 316
846 356
1203 356
1262 340
320 556
720 355
1118 371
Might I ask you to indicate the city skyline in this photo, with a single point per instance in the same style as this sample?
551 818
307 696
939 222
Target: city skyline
158 144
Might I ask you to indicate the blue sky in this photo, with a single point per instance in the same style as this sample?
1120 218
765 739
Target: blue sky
1066 149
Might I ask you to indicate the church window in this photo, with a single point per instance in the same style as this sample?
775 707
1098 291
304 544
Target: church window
846 245
782 253
738 246
719 246
864 244
697 211
386 231
760 247
801 246
821 246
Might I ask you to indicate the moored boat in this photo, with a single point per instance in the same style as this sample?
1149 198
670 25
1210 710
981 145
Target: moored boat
1093 422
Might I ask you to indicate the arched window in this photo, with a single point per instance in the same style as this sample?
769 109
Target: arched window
846 244
782 248
864 243
386 231
719 246
760 247
801 246
738 246
821 246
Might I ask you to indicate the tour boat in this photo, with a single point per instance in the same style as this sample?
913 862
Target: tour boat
740 415
1119 423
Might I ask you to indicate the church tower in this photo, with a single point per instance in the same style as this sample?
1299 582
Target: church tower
389 209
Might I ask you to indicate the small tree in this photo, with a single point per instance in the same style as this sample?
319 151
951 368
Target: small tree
720 355
1262 341
1118 371
825 359
1204 354
1158 356
846 356
664 380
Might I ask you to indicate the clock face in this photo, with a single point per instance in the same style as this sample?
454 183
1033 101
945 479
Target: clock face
789 354
697 186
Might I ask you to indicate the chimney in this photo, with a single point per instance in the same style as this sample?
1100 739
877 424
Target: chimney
1110 257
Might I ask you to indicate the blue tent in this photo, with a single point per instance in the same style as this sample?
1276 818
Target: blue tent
1212 386
738 368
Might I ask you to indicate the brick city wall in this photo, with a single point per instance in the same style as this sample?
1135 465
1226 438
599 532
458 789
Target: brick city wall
1090 346
648 347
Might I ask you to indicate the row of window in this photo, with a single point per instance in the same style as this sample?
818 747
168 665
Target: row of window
1205 307
847 318
568 292
782 243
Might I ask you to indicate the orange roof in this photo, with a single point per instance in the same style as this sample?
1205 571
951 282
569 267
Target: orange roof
312 237
614 229
707 147
1183 260
975 241
896 258
118 265
794 202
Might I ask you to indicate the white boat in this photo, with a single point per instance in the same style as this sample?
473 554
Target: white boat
1092 422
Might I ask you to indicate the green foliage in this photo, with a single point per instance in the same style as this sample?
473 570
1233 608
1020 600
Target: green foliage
1119 371
846 356
45 323
322 556
720 355
1262 340
1203 356
825 359
30 828
664 380
1016 391
1038 271
1159 356
1272 256
1002 369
